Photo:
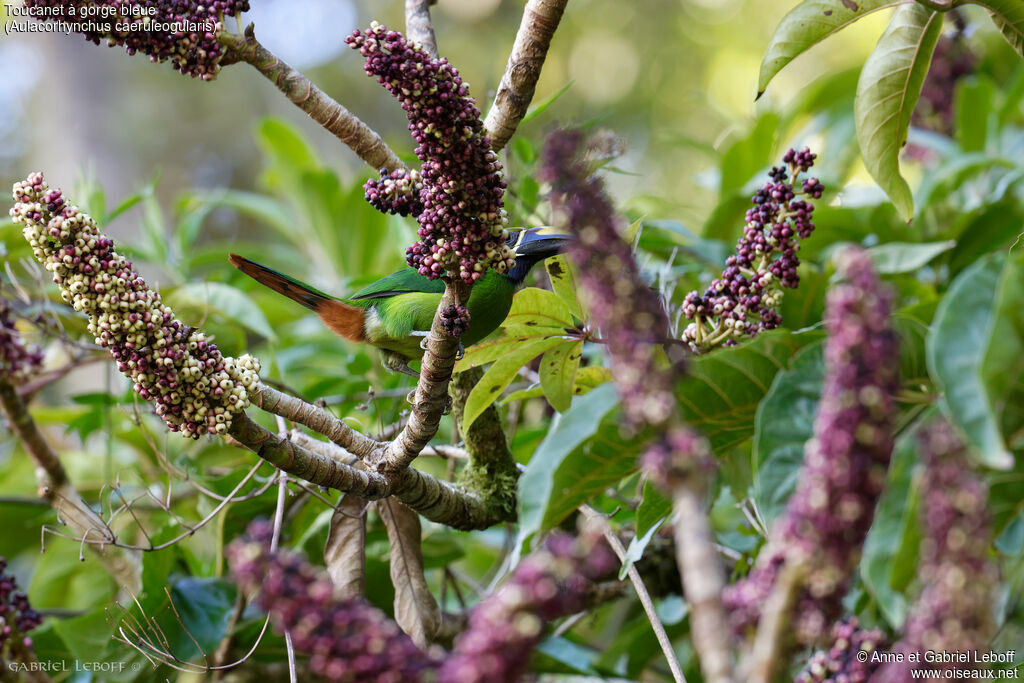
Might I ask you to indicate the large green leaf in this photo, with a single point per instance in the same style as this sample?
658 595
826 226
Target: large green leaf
1002 369
957 349
558 373
784 423
722 389
903 257
887 92
562 274
500 375
806 25
537 311
581 455
1008 16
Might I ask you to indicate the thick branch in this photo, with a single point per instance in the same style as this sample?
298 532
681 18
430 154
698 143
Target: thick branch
342 123
436 500
305 464
492 469
703 582
431 398
445 503
418 27
540 19
55 487
316 418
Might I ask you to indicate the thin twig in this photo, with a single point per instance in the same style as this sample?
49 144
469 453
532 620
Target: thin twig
540 19
338 120
641 592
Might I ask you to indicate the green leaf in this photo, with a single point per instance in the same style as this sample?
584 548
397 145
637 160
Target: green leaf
501 374
570 657
542 106
558 373
1008 16
205 606
636 548
905 257
956 351
890 550
202 298
535 312
784 423
722 390
973 109
1002 369
654 507
563 282
587 378
887 92
806 25
581 454
748 155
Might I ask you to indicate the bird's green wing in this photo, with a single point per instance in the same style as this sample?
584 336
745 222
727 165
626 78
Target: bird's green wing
405 281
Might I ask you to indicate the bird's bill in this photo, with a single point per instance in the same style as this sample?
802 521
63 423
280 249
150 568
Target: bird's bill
540 242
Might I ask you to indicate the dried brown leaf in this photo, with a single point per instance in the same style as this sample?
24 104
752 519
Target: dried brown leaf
345 553
416 611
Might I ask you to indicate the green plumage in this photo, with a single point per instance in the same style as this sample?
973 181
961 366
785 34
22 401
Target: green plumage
395 313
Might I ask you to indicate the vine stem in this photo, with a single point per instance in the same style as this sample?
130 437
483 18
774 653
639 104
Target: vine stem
641 590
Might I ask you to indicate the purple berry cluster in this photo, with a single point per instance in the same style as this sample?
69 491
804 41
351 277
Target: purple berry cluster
17 361
844 468
457 195
455 320
183 32
630 315
954 610
17 617
505 627
195 388
745 299
347 640
840 663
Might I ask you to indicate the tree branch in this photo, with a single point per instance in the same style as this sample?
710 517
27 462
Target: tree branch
703 581
338 120
431 398
57 489
304 463
540 19
492 470
436 500
418 27
316 418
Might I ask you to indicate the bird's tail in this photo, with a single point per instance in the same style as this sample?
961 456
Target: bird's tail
343 319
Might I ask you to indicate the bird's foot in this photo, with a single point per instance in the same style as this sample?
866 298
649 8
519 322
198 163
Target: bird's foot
399 363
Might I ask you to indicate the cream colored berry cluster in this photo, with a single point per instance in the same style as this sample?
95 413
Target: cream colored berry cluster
196 389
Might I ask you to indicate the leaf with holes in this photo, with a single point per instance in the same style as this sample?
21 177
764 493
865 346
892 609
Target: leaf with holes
558 373
887 92
808 24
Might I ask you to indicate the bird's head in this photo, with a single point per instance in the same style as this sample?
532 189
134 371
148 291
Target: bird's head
533 245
